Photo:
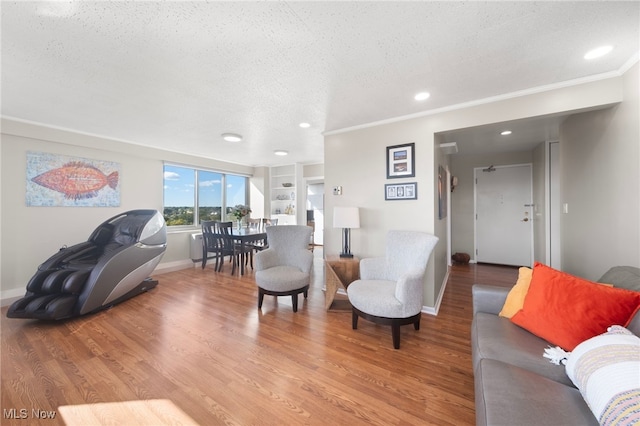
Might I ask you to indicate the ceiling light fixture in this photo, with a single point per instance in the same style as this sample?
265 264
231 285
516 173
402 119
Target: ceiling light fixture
598 52
506 133
305 125
422 96
280 152
232 137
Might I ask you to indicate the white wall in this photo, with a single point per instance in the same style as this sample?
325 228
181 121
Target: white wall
355 160
31 234
600 182
539 203
259 192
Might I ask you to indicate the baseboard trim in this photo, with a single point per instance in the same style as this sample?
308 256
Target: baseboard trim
178 265
433 310
7 297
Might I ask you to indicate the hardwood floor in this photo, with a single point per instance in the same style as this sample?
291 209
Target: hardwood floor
199 341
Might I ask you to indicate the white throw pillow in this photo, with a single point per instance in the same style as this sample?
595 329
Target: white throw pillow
606 370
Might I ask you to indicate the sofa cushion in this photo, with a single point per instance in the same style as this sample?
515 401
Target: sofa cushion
493 337
566 310
509 395
606 370
623 277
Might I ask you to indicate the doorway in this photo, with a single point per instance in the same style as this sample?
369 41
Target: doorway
315 210
503 215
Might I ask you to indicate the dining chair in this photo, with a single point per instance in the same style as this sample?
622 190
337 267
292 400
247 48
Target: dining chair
260 225
214 241
209 242
255 224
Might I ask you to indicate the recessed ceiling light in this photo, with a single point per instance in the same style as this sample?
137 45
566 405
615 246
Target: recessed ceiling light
231 137
422 96
506 133
280 152
305 125
598 52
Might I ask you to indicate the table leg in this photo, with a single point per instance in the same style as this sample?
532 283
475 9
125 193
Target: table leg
331 283
241 257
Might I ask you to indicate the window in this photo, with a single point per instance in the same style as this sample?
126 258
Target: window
193 195
236 191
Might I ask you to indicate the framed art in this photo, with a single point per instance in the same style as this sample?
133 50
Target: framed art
401 191
55 180
401 161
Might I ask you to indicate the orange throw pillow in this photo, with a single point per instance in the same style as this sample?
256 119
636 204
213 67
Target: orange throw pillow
566 310
515 298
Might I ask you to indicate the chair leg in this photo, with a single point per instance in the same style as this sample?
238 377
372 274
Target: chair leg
354 320
416 325
204 257
260 298
395 333
305 293
294 301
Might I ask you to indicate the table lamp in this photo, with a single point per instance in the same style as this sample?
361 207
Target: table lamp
346 218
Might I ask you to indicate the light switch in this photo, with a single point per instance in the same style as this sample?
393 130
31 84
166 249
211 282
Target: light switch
565 208
337 190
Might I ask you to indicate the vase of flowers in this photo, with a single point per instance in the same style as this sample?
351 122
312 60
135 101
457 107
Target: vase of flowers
240 211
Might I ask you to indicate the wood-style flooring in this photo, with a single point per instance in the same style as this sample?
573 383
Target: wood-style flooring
199 341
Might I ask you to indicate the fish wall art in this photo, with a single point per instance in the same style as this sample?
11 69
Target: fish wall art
58 180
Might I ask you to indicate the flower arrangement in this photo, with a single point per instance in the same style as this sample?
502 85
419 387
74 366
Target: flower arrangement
240 211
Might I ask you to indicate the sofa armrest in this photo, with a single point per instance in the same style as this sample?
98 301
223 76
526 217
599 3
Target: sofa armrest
488 298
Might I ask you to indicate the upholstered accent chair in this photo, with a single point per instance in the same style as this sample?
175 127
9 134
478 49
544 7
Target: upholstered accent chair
284 268
389 290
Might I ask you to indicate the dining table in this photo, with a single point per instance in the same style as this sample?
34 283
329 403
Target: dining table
246 236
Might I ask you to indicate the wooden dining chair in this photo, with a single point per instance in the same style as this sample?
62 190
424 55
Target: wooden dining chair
238 252
214 242
209 242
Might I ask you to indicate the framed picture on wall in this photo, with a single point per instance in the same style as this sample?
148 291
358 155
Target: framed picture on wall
401 191
401 161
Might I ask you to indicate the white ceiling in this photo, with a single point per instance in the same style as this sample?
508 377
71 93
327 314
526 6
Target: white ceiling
175 75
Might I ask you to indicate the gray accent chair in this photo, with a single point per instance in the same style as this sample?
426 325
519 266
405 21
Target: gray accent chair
284 268
389 290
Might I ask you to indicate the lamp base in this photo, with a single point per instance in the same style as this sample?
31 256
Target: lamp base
349 255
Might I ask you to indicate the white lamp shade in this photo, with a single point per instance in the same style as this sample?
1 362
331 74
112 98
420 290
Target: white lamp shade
346 217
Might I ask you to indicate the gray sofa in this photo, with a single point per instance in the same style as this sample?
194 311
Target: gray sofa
514 383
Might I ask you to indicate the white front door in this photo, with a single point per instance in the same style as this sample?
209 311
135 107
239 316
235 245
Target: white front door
503 209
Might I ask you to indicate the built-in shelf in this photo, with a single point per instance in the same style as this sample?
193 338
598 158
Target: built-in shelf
283 198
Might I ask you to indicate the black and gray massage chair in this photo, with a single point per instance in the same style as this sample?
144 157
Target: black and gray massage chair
112 266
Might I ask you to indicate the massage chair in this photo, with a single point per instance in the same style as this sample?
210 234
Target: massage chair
112 266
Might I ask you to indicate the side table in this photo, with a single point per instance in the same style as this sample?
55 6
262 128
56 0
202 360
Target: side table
339 273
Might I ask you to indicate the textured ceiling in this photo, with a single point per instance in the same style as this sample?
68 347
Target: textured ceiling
175 75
